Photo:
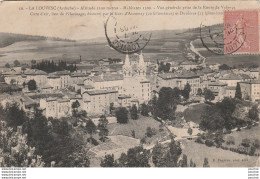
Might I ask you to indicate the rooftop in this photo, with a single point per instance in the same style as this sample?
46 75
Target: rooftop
231 76
111 77
88 87
99 92
251 82
230 87
188 63
217 84
123 96
183 74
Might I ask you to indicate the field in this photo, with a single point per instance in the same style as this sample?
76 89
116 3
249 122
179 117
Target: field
251 134
116 146
139 126
193 113
216 156
163 44
231 59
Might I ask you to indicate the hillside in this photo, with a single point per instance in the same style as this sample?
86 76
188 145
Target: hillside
171 44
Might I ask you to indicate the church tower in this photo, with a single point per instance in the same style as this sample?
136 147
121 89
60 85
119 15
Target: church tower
127 69
141 67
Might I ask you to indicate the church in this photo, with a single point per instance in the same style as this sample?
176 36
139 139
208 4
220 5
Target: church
135 83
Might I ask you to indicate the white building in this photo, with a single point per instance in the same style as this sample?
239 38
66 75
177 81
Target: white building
135 82
59 79
250 90
56 108
97 102
179 80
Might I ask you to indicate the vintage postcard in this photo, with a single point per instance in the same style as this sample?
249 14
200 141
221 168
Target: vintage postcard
129 84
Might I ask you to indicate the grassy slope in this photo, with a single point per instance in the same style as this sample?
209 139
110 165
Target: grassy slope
139 126
250 134
193 113
216 156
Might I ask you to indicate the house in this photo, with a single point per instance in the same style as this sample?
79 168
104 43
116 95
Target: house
252 72
231 79
124 100
104 62
12 77
97 102
59 79
229 91
104 81
218 89
250 90
39 76
180 80
56 107
77 78
188 65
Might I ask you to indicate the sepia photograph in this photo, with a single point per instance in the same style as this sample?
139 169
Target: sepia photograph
129 84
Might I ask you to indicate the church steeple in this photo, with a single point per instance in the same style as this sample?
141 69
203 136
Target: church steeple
141 68
127 69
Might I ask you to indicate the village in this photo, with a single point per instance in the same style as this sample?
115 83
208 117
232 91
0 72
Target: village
92 90
123 83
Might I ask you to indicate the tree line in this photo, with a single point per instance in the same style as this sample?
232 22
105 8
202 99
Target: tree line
51 66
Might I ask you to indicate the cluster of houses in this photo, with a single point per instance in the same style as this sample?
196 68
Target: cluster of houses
131 83
94 91
221 83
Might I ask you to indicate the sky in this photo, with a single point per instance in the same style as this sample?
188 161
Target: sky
26 21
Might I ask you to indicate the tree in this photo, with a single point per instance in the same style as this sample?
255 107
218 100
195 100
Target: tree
14 115
152 105
245 143
7 65
79 91
238 93
164 68
206 162
16 63
167 67
75 105
144 109
135 157
208 95
108 161
190 131
122 115
91 127
133 133
176 95
184 161
166 156
253 113
111 107
224 67
77 159
15 150
38 135
192 164
134 112
186 91
150 132
199 92
12 82
158 155
167 103
211 119
102 127
32 85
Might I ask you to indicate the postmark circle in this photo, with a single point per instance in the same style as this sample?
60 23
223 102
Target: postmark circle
125 37
222 39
